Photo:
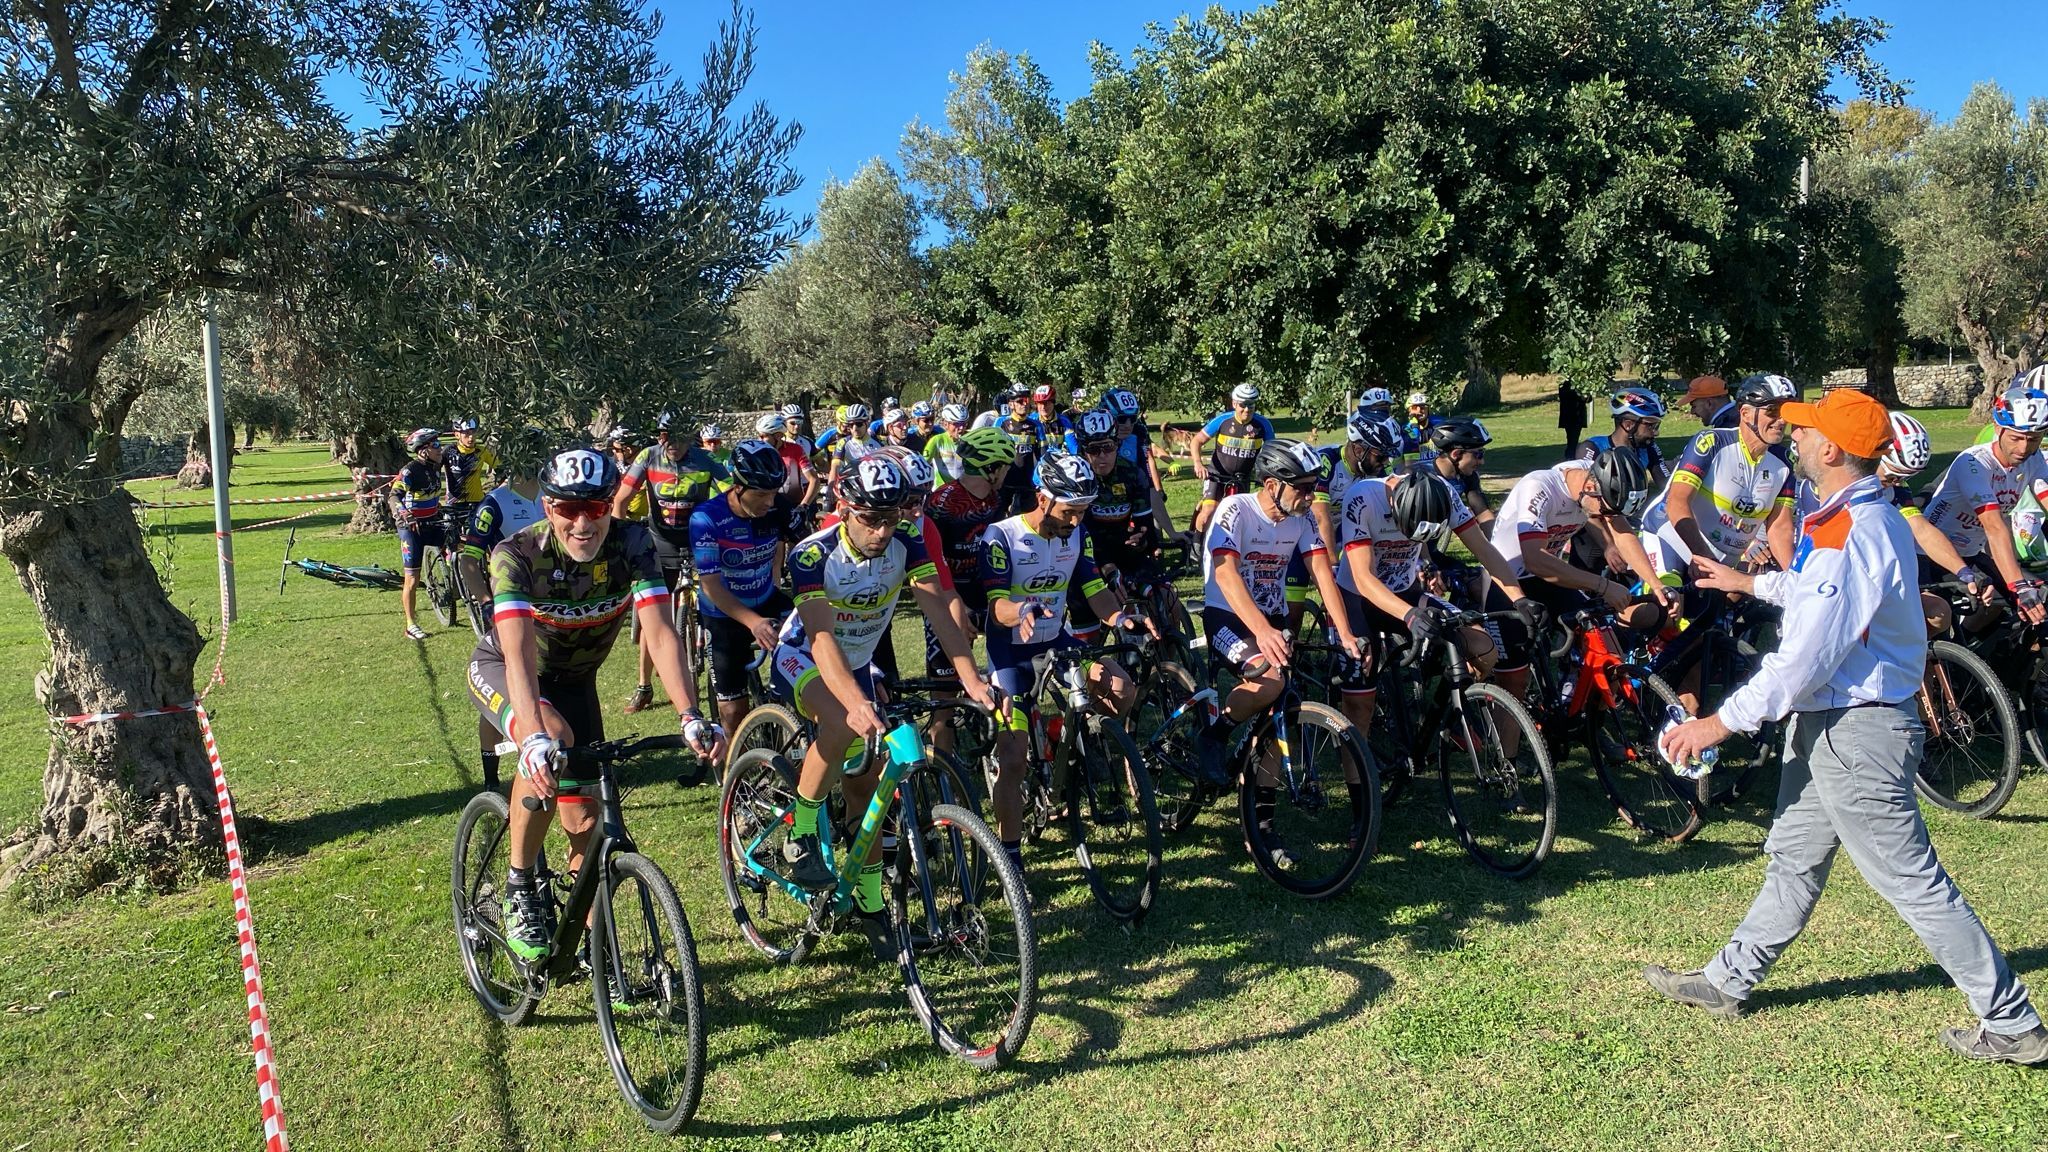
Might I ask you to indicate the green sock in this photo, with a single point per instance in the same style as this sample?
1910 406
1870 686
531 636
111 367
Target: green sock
806 816
867 895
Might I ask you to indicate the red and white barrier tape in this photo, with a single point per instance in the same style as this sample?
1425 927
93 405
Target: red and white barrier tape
301 515
343 492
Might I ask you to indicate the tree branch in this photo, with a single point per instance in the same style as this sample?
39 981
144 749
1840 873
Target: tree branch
58 23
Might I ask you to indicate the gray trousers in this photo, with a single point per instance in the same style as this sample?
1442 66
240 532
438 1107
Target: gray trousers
1848 782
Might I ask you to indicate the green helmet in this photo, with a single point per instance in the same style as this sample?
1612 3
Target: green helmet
984 450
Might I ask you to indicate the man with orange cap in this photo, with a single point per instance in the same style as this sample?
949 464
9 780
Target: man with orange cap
1850 659
1708 400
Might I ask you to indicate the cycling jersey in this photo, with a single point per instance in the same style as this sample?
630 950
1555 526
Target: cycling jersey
1023 430
679 485
1650 455
1055 433
1414 434
943 450
466 471
1337 475
417 489
1369 520
826 439
1261 549
738 550
1977 483
1121 517
1020 565
576 606
1540 509
503 512
861 591
852 450
796 460
1744 491
1236 443
959 517
1136 446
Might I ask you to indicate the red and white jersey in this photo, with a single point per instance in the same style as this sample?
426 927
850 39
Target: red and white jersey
1977 483
1241 534
1369 520
1540 510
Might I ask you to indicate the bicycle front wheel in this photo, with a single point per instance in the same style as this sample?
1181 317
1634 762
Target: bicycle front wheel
483 847
1971 761
1497 780
756 810
1168 711
1647 794
1323 820
769 726
650 1005
965 946
1112 819
440 586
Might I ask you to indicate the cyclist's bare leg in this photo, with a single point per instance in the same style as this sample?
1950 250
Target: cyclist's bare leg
1008 800
731 712
409 582
827 752
1112 687
1939 615
529 828
1202 514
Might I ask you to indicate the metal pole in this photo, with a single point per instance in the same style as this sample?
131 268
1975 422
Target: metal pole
217 423
1805 177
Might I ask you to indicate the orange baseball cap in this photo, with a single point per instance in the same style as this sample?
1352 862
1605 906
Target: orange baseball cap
1704 388
1856 423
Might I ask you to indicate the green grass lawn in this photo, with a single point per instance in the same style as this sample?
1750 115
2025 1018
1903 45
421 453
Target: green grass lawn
1432 1006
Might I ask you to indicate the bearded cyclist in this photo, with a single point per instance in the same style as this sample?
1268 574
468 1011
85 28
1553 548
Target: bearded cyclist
1732 487
1369 447
737 539
1459 452
561 589
1973 503
1238 434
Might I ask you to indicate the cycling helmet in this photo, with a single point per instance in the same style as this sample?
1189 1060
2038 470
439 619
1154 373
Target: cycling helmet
915 466
953 414
842 414
877 483
756 464
1245 394
1765 388
1043 394
889 402
711 432
1420 399
1288 461
854 413
1622 481
1079 400
1373 433
420 438
620 434
894 416
1096 426
921 410
1459 432
1375 398
1911 449
1421 503
2035 378
1122 401
792 411
1067 479
668 416
772 422
462 424
580 474
2020 409
1640 403
984 450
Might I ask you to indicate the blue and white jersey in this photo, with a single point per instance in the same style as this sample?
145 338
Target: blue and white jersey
1019 565
740 551
1743 491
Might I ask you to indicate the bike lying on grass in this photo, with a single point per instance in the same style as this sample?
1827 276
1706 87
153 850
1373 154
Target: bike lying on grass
359 575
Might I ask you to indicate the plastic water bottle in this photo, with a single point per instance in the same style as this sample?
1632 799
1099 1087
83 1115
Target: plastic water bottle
1698 766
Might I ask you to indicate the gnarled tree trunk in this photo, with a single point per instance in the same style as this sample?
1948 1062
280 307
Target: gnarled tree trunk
127 795
371 456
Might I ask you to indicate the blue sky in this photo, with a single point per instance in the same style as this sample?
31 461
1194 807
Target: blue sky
855 74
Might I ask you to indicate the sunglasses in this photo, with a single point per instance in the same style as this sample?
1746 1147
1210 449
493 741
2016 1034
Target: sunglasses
1103 448
1305 488
876 519
583 509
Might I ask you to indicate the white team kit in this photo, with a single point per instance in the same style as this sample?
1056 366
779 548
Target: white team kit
1743 491
1539 510
1241 534
1369 519
1977 483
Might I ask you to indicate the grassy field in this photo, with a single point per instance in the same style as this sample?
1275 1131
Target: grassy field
1431 1007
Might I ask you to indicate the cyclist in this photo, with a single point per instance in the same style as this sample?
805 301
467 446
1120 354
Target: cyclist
846 579
562 587
711 438
897 432
1732 486
1706 398
959 511
853 445
1054 428
466 464
1378 404
796 426
1638 417
1017 422
799 482
999 406
417 490
1251 542
921 416
1369 446
1421 422
736 540
1030 564
837 432
1128 515
1239 435
1975 498
1910 451
1460 451
1546 508
506 509
943 449
677 480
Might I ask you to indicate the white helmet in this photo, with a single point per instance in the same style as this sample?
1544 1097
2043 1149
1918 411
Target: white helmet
893 416
953 414
1245 394
1911 449
772 422
711 432
792 411
1374 397
1415 398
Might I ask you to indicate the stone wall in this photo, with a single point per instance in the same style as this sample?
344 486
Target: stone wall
1922 385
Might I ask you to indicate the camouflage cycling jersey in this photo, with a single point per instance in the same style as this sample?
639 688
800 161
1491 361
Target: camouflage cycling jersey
679 484
576 607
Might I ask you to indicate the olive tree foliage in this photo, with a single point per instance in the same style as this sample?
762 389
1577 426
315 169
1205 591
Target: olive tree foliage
1973 231
543 219
842 314
1859 184
1317 195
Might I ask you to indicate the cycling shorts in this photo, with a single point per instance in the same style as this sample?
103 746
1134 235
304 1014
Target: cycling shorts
1221 484
732 647
414 538
574 698
1229 639
938 665
793 670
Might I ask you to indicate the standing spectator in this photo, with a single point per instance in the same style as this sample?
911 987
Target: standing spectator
1571 416
1850 660
1708 400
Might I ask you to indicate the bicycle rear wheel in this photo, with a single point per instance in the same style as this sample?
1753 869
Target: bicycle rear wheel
1971 761
1647 794
1166 710
755 812
1503 809
483 846
439 584
1325 817
650 1005
1113 821
770 726
965 947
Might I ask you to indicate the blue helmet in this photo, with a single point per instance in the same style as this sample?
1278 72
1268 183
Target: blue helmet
2021 409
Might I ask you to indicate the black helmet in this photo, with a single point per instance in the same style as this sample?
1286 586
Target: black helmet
1288 461
1459 432
1421 503
580 474
876 483
1067 479
1765 388
1096 426
756 464
1622 481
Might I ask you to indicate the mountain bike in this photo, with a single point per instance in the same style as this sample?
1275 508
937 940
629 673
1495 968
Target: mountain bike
357 575
1971 761
636 950
1325 817
965 946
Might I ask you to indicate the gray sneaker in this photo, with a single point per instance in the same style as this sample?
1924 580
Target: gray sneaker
1981 1043
805 856
1692 988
